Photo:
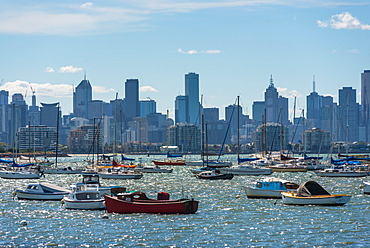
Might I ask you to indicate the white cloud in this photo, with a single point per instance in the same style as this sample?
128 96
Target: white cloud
41 90
180 50
102 89
69 69
87 5
147 89
288 93
344 20
353 51
49 70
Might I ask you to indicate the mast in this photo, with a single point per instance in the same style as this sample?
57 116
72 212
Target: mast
57 138
238 127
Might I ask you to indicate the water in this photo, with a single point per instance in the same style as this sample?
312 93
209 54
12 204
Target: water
226 218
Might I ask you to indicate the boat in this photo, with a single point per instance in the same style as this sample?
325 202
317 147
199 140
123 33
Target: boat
311 164
213 175
138 202
246 169
366 187
209 162
270 187
169 162
21 174
288 167
92 178
152 169
41 191
84 197
122 173
312 193
342 172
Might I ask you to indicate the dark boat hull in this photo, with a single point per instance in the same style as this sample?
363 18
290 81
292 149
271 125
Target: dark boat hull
184 206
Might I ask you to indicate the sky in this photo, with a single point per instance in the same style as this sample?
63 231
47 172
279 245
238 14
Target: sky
234 46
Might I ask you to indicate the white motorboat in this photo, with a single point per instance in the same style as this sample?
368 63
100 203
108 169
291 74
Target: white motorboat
311 193
92 178
245 169
42 191
366 187
312 164
269 187
84 197
341 172
20 174
120 174
213 175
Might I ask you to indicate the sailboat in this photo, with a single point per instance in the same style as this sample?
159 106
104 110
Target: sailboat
242 168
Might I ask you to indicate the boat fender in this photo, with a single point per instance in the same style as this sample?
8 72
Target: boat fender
23 223
105 216
259 185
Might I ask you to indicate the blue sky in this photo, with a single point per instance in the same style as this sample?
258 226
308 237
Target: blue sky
233 45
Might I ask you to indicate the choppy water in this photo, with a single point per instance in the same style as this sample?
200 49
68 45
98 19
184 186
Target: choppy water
226 218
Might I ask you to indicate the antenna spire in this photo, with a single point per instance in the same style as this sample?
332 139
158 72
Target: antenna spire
85 75
271 81
314 84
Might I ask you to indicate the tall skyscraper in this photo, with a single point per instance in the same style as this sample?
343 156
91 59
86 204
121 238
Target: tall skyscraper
50 114
147 106
181 109
314 105
258 111
349 115
192 93
271 103
81 97
365 103
131 103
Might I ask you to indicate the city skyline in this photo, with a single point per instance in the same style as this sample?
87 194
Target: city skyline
233 45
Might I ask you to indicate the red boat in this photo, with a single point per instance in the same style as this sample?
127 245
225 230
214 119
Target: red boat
169 162
138 202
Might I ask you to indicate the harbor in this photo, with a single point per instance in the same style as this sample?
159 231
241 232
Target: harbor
225 217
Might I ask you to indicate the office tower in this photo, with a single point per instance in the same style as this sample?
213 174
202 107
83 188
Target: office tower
186 136
131 103
271 103
4 97
231 116
97 108
314 105
33 112
258 111
81 97
211 115
365 103
349 115
181 109
192 93
50 114
147 106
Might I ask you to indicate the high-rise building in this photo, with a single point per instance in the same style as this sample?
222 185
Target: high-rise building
131 103
50 114
192 93
349 115
4 97
258 111
314 105
211 115
147 106
181 109
81 97
271 103
365 103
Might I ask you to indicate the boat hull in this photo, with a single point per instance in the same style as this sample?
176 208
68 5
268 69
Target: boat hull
62 171
215 177
325 200
84 205
288 169
115 205
19 175
156 162
366 188
22 195
262 193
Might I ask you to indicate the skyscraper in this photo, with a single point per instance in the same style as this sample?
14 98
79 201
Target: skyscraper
276 106
147 106
131 103
349 115
365 102
50 114
81 97
192 93
314 105
181 109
